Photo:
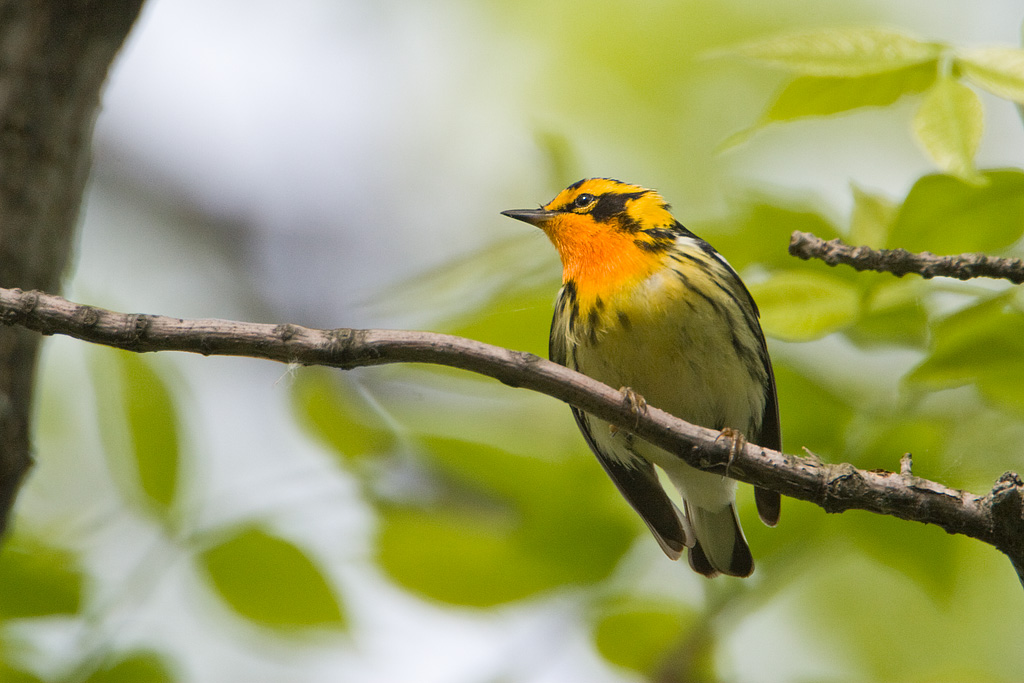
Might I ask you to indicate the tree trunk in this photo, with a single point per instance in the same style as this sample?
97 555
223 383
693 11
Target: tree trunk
54 58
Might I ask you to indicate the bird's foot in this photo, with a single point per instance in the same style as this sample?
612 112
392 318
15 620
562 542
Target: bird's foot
737 442
637 405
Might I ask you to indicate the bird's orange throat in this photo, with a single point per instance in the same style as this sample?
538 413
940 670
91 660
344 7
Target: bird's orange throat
599 260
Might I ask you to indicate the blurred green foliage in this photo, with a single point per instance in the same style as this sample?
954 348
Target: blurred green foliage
502 509
984 218
140 429
10 674
636 634
141 667
344 423
839 69
807 96
270 581
798 305
37 580
994 325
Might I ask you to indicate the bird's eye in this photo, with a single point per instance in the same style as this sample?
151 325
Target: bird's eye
583 201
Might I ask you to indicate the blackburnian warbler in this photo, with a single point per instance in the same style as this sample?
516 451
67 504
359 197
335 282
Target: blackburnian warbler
648 306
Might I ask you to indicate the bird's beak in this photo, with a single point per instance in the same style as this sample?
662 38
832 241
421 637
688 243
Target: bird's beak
537 217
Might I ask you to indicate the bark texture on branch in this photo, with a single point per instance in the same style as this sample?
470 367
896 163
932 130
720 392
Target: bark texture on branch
900 262
54 57
996 519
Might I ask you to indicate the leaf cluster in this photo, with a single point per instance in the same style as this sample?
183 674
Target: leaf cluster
841 69
262 579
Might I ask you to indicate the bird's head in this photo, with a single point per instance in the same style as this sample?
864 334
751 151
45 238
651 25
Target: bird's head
603 229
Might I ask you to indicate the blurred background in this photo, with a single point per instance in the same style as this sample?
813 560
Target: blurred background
343 164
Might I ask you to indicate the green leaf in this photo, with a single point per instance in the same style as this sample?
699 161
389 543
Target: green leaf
153 421
456 558
559 154
139 424
799 305
846 52
501 528
888 436
271 582
640 634
806 403
535 480
558 527
8 674
1000 70
468 284
760 231
984 345
949 125
893 314
971 341
845 594
740 137
37 580
873 216
514 319
140 667
332 410
826 95
926 555
945 215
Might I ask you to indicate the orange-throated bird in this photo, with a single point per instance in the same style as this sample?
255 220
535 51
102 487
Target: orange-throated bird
648 306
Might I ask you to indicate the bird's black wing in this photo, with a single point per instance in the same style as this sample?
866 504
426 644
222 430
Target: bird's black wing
638 483
769 503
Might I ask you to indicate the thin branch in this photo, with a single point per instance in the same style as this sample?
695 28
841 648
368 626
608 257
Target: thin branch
996 519
899 262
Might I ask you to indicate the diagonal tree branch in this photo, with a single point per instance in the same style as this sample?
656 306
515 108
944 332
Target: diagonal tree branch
899 262
996 518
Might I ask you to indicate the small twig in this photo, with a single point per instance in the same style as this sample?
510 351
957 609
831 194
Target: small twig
996 519
899 262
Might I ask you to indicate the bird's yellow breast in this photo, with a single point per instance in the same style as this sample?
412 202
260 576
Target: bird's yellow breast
671 343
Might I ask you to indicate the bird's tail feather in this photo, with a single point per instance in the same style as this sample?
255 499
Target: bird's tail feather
721 546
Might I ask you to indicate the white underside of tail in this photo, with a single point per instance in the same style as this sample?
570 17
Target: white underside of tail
716 530
710 510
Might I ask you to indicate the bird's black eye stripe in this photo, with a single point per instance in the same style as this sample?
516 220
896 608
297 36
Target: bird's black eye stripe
583 201
613 204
